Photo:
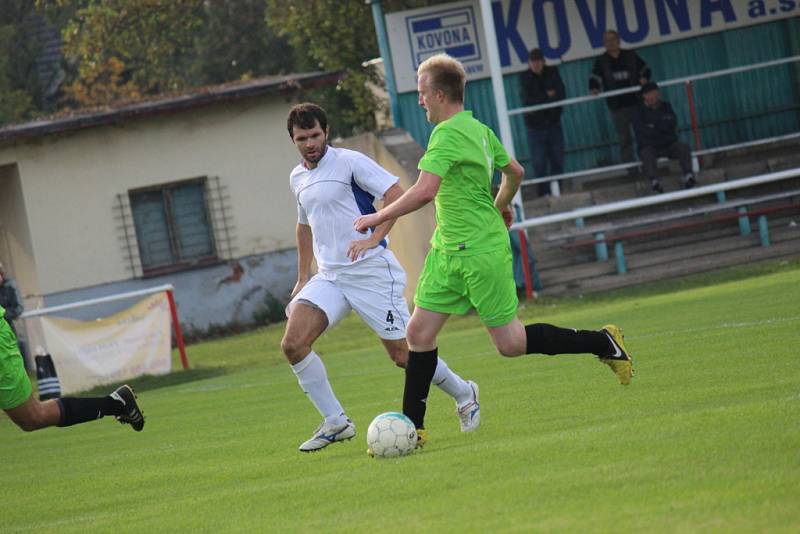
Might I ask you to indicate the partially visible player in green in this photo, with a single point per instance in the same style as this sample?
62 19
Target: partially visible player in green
469 264
29 413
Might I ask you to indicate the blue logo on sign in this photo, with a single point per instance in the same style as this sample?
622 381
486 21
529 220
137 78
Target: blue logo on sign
452 31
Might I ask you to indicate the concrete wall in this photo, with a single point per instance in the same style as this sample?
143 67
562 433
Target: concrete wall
16 250
221 294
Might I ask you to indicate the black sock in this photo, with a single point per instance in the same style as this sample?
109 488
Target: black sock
419 373
549 339
75 410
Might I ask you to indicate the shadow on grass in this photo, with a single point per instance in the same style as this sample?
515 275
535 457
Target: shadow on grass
151 382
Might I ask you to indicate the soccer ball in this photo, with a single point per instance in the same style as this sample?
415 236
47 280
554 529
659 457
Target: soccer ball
390 435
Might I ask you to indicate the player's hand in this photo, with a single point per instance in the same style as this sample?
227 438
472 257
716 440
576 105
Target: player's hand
365 222
551 93
358 248
507 217
594 92
297 287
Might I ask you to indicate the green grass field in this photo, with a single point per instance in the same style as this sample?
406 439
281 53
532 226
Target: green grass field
707 438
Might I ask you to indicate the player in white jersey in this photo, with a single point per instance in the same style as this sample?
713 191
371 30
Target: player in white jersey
333 187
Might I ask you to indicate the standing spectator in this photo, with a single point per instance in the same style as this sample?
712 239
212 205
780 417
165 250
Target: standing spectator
541 84
617 69
11 301
656 127
9 298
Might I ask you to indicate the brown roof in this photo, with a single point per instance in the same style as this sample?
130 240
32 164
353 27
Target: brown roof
170 103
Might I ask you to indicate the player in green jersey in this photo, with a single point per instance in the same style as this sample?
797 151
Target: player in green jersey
469 264
29 413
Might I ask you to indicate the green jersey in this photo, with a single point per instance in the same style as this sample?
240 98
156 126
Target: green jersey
464 153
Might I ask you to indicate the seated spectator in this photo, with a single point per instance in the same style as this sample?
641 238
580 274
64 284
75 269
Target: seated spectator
656 126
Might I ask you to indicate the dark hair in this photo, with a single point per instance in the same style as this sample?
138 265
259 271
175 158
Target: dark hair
306 116
648 87
534 54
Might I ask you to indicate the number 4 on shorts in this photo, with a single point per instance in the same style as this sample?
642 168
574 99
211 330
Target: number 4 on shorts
389 317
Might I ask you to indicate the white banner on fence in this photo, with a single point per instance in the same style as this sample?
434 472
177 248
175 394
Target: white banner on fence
563 29
125 345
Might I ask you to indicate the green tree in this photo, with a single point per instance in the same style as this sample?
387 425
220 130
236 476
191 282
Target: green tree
235 43
19 83
338 35
124 49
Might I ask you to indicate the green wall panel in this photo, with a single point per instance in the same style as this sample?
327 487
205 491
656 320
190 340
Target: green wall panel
731 109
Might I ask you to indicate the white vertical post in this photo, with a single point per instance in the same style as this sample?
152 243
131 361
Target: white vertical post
493 57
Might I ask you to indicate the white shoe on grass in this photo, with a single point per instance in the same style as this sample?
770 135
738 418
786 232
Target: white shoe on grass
325 434
470 413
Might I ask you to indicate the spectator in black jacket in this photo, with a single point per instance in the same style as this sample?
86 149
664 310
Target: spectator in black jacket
9 298
617 69
656 129
541 84
10 301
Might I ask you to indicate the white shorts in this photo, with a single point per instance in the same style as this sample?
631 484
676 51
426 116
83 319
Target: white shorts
372 287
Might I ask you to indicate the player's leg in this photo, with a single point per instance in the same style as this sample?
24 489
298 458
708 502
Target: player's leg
67 411
493 293
439 294
423 357
318 306
463 392
27 412
608 344
374 289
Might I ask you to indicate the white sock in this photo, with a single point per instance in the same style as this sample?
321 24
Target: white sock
451 383
313 379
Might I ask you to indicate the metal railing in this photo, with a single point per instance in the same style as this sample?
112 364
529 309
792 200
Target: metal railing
622 205
687 82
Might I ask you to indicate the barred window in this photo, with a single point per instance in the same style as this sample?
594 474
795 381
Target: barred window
172 226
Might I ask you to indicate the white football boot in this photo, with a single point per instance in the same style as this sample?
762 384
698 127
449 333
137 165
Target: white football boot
470 413
325 434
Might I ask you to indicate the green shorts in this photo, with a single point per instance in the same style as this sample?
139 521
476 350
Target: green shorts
453 284
15 387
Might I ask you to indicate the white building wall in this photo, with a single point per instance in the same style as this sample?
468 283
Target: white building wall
70 182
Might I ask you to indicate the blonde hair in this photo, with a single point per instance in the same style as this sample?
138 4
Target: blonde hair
445 74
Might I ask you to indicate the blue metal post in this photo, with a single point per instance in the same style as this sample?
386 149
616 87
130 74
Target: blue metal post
579 222
619 254
386 54
763 230
721 196
600 247
744 221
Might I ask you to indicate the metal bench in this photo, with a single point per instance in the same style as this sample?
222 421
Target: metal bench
614 233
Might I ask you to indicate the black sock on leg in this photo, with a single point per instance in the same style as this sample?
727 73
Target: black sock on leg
76 410
549 339
419 373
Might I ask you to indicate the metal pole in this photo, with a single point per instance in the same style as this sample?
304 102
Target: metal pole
693 114
526 268
386 54
99 300
506 137
173 309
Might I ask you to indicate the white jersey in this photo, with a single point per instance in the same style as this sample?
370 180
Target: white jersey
332 196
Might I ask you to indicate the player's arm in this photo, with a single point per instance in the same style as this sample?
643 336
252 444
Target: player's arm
359 247
305 254
512 177
416 197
